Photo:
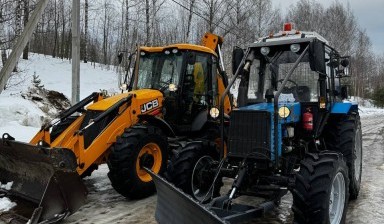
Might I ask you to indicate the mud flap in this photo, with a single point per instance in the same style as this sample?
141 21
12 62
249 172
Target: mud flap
46 186
175 207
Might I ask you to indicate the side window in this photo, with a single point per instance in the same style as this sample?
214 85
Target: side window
145 72
169 71
254 81
200 78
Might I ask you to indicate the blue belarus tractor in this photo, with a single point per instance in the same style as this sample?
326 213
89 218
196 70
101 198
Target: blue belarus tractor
293 131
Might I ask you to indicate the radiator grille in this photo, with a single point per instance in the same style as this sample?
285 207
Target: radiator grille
250 131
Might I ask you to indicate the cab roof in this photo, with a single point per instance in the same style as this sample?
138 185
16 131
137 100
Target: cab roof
192 47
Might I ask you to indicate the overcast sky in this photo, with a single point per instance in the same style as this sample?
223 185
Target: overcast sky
369 14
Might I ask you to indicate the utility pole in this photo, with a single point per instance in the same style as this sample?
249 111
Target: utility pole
22 41
75 51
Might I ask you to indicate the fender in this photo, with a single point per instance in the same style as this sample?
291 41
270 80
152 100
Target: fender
343 108
158 122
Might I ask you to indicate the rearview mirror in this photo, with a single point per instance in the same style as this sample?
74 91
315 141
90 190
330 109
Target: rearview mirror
317 56
237 56
344 62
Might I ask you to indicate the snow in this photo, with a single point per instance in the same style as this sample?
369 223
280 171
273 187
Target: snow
6 204
22 118
6 186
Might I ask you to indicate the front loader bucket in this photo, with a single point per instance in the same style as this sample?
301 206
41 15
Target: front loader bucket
46 186
175 207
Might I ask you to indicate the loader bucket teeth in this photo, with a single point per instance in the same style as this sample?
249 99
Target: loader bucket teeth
184 208
45 185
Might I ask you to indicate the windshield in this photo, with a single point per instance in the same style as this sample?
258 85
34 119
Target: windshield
268 73
158 70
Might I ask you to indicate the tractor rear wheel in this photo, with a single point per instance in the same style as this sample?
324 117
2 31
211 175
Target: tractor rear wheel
189 169
138 147
320 195
345 136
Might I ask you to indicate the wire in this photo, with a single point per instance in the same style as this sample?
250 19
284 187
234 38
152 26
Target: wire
201 16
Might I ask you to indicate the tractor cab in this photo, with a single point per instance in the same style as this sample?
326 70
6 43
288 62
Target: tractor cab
296 76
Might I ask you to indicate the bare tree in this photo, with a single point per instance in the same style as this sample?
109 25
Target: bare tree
26 18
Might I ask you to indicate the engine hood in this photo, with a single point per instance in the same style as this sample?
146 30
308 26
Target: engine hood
141 94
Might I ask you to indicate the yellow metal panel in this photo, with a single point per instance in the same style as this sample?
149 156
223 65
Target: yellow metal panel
192 47
107 103
211 41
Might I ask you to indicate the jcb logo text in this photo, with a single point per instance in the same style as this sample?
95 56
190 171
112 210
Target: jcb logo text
149 106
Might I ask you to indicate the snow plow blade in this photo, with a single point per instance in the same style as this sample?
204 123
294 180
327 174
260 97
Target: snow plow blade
175 207
46 186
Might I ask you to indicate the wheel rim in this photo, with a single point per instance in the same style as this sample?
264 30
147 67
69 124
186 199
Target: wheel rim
337 199
201 183
358 154
149 156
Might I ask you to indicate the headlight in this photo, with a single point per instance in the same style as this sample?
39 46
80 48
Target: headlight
172 87
175 50
142 53
265 51
284 112
214 112
295 48
167 52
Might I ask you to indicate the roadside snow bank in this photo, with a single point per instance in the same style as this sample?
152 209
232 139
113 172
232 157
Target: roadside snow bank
366 107
22 111
366 111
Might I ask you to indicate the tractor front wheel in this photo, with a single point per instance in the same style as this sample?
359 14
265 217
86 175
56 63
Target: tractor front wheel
138 147
320 195
191 169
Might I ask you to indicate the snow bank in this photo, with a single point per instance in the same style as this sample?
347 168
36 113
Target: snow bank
366 107
22 118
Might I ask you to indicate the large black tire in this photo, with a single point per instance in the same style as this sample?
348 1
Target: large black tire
181 166
312 196
138 146
344 135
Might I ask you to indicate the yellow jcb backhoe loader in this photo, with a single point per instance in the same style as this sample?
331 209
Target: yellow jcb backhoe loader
173 95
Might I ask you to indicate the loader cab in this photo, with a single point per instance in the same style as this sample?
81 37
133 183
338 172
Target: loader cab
187 77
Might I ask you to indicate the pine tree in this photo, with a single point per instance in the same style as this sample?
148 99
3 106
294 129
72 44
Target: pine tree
36 81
